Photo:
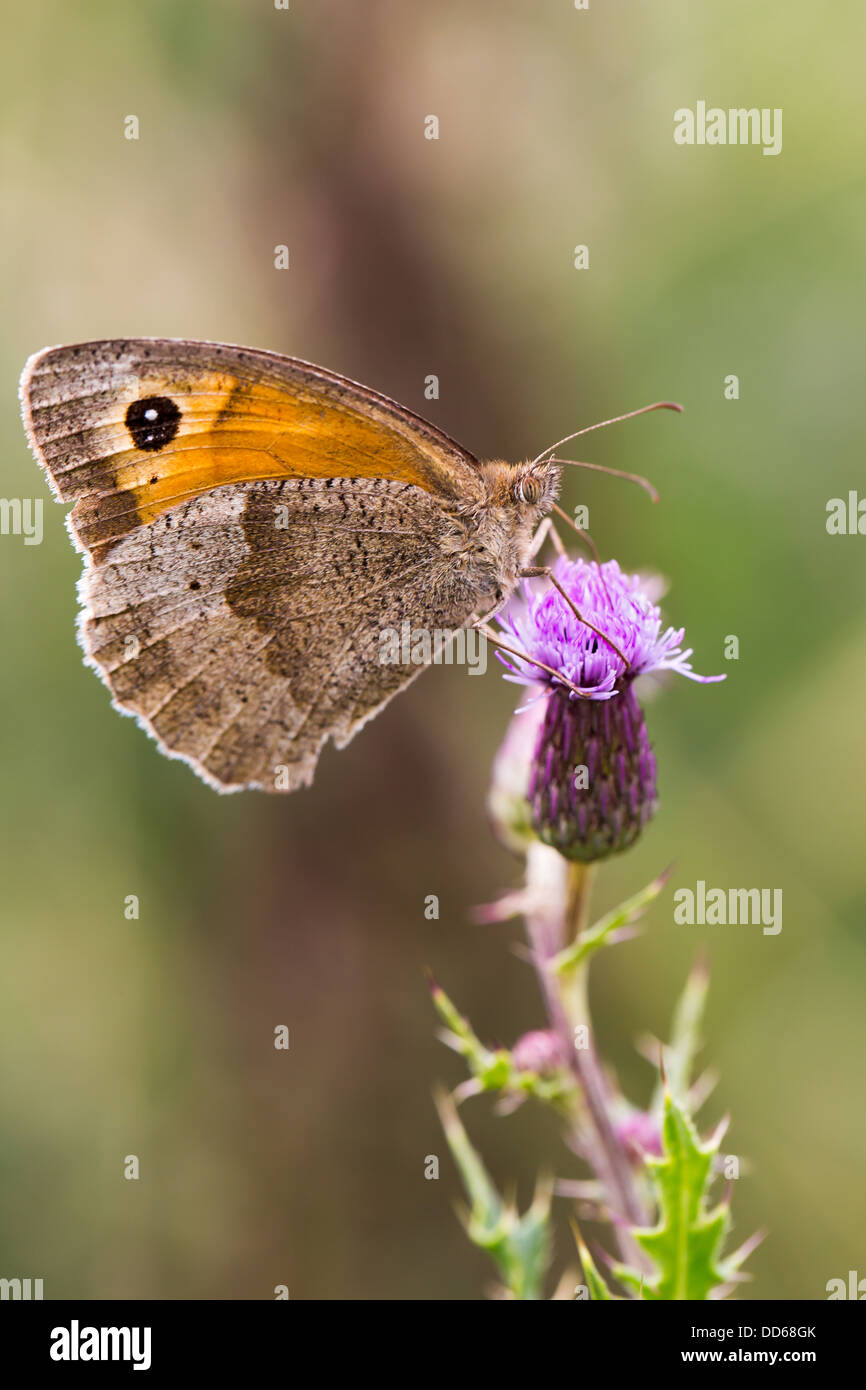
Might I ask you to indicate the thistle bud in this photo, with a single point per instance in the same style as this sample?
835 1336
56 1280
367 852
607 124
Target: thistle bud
592 787
541 1051
507 805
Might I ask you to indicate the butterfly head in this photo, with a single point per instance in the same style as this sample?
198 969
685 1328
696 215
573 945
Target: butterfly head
527 489
535 485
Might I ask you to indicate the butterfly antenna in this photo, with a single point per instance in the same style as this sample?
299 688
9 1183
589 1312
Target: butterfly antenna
584 535
614 473
644 410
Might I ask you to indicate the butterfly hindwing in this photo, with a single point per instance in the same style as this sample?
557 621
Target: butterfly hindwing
245 626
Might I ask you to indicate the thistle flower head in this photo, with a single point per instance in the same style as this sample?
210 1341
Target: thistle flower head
614 604
591 781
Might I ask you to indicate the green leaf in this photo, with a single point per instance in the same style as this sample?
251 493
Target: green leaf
494 1070
520 1246
684 1245
600 935
598 1289
679 1055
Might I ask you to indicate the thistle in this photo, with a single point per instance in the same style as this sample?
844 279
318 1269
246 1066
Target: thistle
592 781
574 782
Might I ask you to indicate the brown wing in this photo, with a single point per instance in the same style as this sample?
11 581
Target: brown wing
127 428
247 626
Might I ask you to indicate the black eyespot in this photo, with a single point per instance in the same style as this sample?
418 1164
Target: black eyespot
153 422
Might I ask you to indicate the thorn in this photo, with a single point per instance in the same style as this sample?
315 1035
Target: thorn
702 964
509 905
701 1089
587 1190
602 1257
467 1089
661 879
646 1045
715 1137
622 934
523 953
747 1248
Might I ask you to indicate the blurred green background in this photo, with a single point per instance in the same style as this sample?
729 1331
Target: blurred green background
455 257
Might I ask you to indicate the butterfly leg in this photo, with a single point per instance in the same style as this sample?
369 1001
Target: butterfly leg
477 619
545 572
494 637
546 530
584 535
588 542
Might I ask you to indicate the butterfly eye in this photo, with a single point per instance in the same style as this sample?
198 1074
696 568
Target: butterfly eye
529 490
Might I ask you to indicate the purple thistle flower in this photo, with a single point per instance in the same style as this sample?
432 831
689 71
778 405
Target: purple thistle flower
616 604
592 780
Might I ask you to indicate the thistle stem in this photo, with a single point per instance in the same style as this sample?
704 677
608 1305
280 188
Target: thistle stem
587 1065
559 895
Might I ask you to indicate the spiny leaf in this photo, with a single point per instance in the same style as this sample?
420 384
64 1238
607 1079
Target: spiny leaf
493 1070
598 1290
685 1041
684 1245
605 930
519 1245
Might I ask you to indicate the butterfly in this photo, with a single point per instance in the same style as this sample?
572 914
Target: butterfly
251 524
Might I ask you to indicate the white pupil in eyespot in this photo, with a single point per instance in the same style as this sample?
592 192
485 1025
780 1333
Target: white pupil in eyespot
151 414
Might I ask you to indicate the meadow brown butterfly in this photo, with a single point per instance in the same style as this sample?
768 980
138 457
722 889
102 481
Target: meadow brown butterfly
250 525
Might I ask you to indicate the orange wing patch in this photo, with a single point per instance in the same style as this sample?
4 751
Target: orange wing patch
130 428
